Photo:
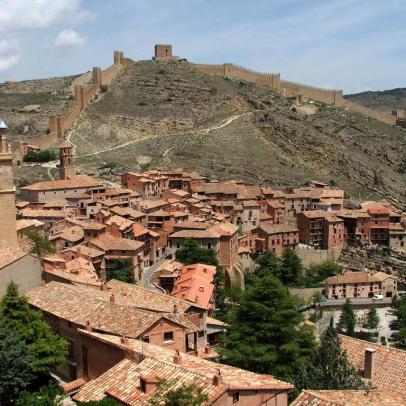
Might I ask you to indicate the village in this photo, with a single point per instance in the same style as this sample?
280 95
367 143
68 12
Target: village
102 264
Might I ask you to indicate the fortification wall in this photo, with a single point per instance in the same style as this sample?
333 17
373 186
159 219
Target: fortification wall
83 96
376 114
215 70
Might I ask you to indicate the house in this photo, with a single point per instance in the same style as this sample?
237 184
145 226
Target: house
195 283
147 364
384 366
68 308
25 270
348 397
275 237
321 229
389 283
352 285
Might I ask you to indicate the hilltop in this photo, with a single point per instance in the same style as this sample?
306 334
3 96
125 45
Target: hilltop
386 100
166 114
159 114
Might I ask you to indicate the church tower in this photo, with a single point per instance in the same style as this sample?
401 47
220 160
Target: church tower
8 225
66 163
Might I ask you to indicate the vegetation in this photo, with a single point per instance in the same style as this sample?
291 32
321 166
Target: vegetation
316 274
41 244
400 306
45 155
185 395
121 270
44 396
264 333
329 367
104 402
372 318
347 319
47 349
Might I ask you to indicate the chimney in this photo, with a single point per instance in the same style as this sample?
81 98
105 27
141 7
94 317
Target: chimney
208 350
369 363
148 383
104 287
175 308
177 358
112 298
218 378
125 341
88 326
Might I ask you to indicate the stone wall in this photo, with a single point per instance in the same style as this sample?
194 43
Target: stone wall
315 257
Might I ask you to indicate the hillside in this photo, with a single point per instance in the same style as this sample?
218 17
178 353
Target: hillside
159 114
386 100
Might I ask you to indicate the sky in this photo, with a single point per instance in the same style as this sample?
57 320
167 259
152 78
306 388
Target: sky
354 45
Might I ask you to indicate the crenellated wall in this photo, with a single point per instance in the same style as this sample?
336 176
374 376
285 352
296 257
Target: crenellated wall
83 96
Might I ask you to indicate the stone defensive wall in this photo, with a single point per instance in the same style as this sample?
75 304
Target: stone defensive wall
329 96
83 95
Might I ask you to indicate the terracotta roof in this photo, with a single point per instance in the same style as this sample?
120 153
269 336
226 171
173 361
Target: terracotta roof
82 181
196 284
382 276
224 229
348 398
351 277
192 225
127 212
390 363
147 299
43 213
327 215
195 234
10 255
26 223
139 230
108 242
122 222
277 228
80 304
85 251
159 363
71 234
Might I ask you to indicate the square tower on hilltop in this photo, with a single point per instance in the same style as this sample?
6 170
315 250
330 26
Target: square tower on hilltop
163 52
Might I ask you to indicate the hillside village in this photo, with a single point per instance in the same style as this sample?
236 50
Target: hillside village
144 278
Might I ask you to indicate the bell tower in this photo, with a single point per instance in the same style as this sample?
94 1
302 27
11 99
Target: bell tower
8 228
66 162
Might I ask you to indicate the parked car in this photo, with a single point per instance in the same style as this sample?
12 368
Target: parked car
378 297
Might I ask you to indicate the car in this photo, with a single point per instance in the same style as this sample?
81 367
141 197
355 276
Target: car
378 297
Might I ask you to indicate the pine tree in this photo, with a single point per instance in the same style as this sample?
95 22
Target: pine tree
347 319
329 367
292 268
373 318
16 364
48 350
264 334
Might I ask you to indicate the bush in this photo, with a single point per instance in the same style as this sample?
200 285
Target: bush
383 341
103 88
45 155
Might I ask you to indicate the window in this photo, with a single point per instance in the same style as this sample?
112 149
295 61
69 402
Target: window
209 245
168 336
200 334
178 245
236 397
143 385
145 339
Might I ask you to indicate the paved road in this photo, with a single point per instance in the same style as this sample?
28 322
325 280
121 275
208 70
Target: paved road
357 302
148 272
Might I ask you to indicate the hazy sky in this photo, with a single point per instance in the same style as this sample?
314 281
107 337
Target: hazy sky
353 45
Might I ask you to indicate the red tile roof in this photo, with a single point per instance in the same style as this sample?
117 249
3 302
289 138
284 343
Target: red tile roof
78 182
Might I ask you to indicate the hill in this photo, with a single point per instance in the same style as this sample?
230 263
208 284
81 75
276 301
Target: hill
386 100
167 115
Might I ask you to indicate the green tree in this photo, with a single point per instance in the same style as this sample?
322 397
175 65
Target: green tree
373 318
264 333
347 319
329 367
400 307
44 396
104 402
41 244
16 364
268 264
169 393
291 269
48 350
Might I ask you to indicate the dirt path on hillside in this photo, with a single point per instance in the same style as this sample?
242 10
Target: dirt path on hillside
204 131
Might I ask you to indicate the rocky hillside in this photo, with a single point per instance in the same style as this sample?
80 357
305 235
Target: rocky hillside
387 100
167 115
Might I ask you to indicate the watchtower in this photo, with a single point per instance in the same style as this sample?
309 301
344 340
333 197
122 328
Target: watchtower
163 52
66 161
8 225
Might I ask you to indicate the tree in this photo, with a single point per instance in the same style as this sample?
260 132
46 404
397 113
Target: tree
264 333
44 396
373 318
347 319
16 363
400 306
104 402
41 245
329 367
169 393
48 350
291 268
268 264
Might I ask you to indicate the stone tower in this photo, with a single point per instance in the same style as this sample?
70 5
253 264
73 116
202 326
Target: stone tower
66 162
8 229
